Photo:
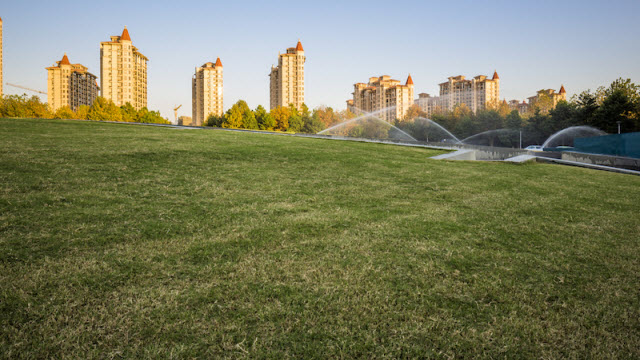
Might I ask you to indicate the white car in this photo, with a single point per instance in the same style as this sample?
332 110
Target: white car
534 148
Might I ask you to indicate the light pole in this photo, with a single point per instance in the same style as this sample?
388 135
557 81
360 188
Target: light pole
520 139
618 122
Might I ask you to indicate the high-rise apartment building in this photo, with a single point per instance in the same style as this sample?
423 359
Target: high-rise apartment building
545 100
350 106
206 92
553 96
476 94
521 107
287 79
123 71
1 79
383 93
70 85
431 104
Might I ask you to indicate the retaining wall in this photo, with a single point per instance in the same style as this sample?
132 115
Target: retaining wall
607 160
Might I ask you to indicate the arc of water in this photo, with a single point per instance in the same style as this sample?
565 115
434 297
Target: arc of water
487 133
370 115
588 129
439 127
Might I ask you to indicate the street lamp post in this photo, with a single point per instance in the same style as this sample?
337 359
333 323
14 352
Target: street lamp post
520 139
618 122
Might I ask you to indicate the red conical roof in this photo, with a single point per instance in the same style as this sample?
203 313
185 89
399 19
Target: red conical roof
504 101
65 60
218 62
495 75
562 90
125 34
409 80
299 46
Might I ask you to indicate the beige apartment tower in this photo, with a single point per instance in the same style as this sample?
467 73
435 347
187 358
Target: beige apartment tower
206 92
287 79
477 93
70 85
383 93
123 72
554 96
431 105
1 64
536 101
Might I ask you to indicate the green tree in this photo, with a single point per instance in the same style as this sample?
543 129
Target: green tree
513 120
103 109
489 120
296 124
413 112
327 116
40 110
586 106
213 120
151 117
466 127
239 116
249 120
563 116
129 113
15 106
233 118
304 112
64 112
538 128
83 112
264 119
631 90
312 125
617 107
461 111
22 106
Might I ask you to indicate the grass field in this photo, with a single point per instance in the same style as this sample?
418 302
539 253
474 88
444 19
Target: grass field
120 241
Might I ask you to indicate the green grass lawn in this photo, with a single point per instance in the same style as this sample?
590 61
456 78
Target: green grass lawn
120 241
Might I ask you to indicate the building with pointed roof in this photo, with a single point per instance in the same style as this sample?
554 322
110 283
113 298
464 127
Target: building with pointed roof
70 85
545 99
381 93
553 98
477 93
286 81
123 71
206 92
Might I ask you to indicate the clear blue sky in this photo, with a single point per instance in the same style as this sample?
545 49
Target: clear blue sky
532 44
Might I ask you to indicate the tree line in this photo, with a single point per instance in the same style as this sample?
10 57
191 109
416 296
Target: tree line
605 109
285 119
22 106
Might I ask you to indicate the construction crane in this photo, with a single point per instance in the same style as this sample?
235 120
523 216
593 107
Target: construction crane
175 112
26 88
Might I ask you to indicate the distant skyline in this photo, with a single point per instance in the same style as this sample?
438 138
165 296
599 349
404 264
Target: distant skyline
532 45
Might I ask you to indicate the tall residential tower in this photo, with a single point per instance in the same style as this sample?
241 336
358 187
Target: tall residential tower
287 79
477 93
206 92
123 71
70 85
383 93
